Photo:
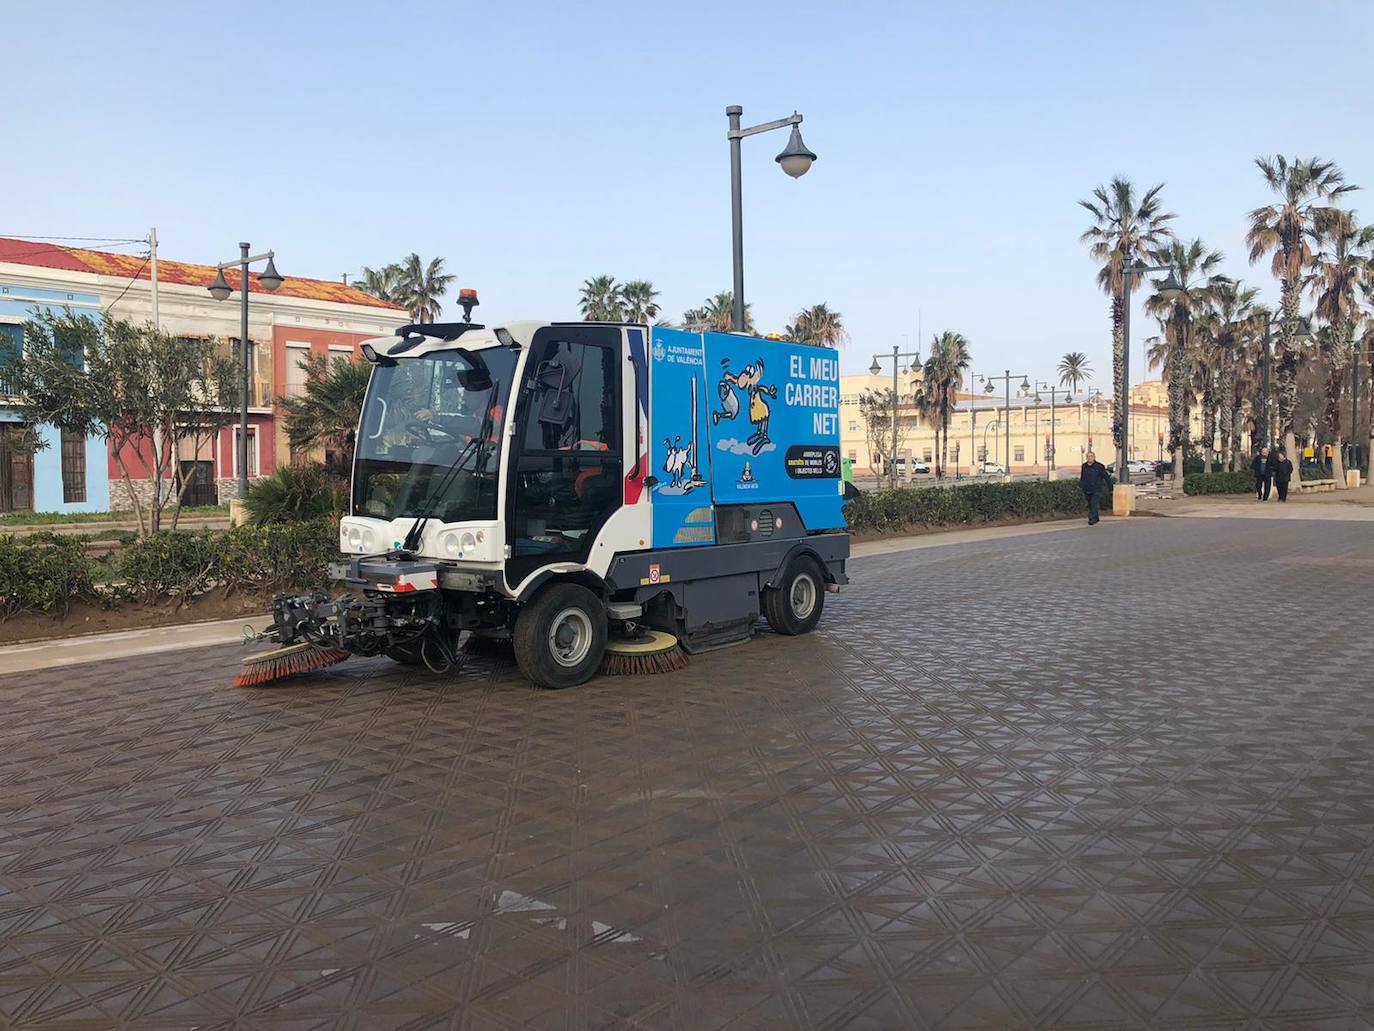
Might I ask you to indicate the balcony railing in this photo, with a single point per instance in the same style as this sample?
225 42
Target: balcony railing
260 394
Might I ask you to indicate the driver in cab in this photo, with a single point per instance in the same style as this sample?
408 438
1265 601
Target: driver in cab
462 426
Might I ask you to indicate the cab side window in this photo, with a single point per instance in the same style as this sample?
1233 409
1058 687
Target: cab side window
567 476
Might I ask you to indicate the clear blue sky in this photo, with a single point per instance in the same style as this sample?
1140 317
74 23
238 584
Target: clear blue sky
534 145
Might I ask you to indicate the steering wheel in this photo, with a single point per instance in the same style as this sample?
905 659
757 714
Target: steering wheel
425 431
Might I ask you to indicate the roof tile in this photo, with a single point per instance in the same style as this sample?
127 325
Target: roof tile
130 266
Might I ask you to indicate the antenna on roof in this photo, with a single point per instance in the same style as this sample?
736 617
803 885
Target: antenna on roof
345 279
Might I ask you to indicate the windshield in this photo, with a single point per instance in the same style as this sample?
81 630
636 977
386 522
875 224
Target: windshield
421 414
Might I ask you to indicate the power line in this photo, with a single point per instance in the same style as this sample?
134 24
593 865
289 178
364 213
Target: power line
89 239
146 258
15 256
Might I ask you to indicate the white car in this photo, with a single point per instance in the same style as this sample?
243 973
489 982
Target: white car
993 469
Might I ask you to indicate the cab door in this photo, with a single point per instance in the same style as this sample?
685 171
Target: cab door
567 465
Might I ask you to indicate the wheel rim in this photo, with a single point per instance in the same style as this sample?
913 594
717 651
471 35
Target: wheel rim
803 596
570 637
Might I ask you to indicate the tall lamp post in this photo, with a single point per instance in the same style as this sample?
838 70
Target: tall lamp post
1303 331
1054 393
1168 290
876 369
990 426
268 279
795 160
1024 391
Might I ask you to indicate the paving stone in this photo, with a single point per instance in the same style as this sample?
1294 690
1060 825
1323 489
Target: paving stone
1087 778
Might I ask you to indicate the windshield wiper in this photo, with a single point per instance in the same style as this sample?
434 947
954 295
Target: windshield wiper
475 446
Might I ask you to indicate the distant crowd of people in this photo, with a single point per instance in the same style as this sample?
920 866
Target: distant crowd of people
1273 473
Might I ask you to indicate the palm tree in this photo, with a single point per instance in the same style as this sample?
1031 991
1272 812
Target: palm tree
1338 270
716 315
818 326
1122 231
421 285
1229 329
942 376
925 396
1074 369
1283 230
639 301
1193 264
601 300
382 283
328 412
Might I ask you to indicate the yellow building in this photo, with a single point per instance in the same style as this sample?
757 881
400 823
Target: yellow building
981 422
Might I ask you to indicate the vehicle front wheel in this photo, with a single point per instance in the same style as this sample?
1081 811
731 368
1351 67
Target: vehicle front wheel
560 636
794 605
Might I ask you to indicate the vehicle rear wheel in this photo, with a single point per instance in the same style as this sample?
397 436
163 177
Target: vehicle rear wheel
794 605
560 636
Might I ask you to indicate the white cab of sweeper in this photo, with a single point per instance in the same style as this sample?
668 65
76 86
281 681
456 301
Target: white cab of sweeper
458 425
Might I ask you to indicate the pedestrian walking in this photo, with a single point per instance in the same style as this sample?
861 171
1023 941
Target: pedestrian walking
1282 471
1263 468
1093 480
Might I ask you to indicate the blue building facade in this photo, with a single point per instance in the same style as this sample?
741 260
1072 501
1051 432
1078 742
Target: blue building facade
71 474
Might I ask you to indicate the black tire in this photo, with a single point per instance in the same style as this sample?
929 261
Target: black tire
794 606
560 637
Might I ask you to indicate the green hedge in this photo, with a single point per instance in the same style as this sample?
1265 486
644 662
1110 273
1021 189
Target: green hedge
45 572
1219 483
886 510
48 572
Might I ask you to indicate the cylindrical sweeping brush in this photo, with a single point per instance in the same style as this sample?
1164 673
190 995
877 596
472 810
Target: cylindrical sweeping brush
266 667
488 645
652 651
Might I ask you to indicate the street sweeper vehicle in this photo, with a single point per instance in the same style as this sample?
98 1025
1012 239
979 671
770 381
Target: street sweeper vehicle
601 496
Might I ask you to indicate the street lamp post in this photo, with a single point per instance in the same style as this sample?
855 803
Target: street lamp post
1054 393
990 426
795 160
1025 390
1168 290
268 279
1303 332
876 369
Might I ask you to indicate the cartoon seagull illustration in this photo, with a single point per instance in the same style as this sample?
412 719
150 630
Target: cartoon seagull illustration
729 400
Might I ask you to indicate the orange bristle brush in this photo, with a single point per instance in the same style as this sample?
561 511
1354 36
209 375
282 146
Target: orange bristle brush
651 651
266 667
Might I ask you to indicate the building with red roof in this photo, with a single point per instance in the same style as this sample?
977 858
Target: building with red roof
302 317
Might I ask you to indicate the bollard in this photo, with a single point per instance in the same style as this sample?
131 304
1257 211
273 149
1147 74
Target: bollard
1123 499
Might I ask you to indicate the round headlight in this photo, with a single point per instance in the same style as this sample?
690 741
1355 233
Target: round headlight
369 540
355 537
468 541
451 544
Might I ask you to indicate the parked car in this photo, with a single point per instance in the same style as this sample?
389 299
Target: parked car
1139 467
905 468
993 469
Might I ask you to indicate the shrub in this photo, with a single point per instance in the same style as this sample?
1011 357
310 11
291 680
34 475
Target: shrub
1313 472
968 504
295 494
1219 483
277 558
43 572
169 563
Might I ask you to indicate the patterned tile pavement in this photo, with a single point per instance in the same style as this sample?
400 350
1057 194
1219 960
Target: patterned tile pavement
1093 778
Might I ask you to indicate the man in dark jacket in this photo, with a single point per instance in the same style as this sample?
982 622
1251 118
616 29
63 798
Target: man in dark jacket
1093 479
1282 471
1263 469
